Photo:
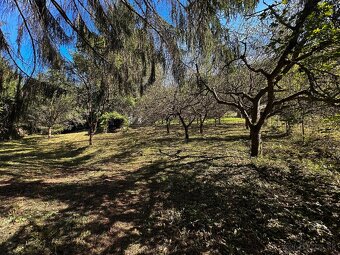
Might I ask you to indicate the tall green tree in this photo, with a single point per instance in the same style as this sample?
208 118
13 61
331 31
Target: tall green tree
8 99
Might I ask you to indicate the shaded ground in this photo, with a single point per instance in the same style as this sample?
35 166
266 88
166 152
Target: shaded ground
142 192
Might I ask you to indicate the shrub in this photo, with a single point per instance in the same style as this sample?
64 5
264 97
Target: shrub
111 121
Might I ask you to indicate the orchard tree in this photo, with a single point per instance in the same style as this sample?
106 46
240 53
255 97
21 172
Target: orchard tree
54 110
54 103
168 102
157 104
296 113
185 101
205 108
290 37
217 112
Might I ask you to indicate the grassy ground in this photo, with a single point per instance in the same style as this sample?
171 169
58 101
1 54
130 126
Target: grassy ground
144 192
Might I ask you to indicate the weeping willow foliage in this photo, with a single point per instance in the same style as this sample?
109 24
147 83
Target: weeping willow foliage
199 22
105 30
132 58
134 31
202 25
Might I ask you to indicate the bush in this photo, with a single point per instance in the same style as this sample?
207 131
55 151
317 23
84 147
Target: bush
111 121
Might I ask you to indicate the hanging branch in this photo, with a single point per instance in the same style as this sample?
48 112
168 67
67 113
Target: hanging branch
31 38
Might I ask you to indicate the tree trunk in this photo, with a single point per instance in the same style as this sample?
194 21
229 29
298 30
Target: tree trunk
91 132
186 130
168 127
255 136
90 138
141 89
246 124
303 129
215 122
186 127
219 120
49 132
201 128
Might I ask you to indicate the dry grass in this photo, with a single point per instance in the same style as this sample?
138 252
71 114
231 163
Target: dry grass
144 192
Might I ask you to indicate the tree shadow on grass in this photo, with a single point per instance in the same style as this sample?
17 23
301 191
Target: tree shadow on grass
180 207
30 150
213 139
22 161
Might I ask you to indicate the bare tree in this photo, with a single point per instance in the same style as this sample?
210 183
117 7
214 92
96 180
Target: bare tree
206 107
269 61
156 105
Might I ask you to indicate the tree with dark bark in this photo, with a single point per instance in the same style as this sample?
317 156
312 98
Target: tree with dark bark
185 100
296 38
